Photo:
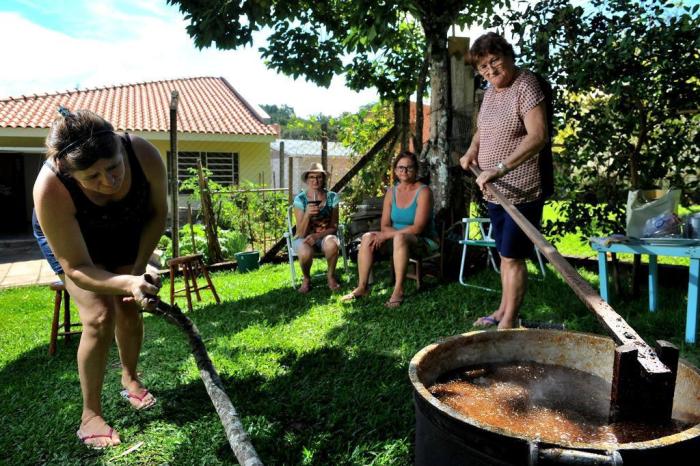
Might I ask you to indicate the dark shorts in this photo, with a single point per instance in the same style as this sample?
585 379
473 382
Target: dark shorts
510 240
44 246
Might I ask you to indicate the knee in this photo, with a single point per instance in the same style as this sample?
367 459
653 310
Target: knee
330 246
99 318
305 253
400 240
366 239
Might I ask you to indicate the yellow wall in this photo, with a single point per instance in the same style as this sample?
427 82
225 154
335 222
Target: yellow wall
253 157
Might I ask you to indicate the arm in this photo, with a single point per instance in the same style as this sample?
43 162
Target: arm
535 122
56 214
154 169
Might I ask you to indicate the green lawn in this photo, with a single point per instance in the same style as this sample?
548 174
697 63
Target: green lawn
315 381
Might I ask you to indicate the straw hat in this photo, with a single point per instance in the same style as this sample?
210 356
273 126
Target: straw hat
314 168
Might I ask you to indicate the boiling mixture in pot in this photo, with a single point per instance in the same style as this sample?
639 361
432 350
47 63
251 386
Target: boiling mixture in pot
553 403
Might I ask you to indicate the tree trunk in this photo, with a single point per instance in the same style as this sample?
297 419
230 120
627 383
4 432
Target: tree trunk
445 173
420 91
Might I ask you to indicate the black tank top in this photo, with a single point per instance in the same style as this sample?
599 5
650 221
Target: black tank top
112 232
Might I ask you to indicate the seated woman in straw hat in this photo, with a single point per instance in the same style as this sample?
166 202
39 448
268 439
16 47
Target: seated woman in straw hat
316 212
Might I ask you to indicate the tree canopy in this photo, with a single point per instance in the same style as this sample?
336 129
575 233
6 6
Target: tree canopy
628 112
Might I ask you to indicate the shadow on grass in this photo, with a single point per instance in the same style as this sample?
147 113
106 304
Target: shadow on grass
345 399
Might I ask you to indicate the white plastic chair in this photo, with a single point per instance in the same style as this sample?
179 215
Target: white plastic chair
485 241
289 236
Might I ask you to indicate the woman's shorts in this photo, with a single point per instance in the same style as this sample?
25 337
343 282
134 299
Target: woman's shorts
511 241
44 246
318 245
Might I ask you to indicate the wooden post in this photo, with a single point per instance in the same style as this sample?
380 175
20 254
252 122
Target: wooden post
281 164
462 87
215 254
172 164
290 183
189 219
324 145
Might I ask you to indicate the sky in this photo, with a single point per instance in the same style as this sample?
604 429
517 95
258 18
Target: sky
57 45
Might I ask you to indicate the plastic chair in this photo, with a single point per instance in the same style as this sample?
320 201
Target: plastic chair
289 236
485 241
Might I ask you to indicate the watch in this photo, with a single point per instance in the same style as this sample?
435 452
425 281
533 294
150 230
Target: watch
502 169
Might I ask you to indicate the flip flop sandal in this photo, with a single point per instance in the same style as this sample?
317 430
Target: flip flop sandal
85 438
128 396
485 321
393 304
352 297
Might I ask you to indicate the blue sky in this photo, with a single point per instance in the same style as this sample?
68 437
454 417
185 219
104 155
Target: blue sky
64 44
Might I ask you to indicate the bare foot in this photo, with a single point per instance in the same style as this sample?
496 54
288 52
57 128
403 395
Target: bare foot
357 293
305 286
333 283
97 434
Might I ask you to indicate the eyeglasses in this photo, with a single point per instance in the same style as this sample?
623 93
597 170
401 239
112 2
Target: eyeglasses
405 168
494 63
315 177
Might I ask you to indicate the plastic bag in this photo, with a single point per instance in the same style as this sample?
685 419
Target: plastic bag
643 205
662 226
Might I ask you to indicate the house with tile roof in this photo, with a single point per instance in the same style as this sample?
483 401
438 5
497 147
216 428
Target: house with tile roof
216 125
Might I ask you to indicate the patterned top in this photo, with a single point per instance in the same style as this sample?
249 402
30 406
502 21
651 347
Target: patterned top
501 130
322 221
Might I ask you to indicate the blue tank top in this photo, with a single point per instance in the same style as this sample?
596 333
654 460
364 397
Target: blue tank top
404 217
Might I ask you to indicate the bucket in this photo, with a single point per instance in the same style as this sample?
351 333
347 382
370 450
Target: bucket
445 436
247 261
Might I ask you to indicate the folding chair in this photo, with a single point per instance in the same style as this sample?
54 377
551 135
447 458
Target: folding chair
485 240
289 236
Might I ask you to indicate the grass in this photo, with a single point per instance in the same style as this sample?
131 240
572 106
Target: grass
315 381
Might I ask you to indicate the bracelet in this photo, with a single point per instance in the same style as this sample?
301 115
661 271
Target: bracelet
502 169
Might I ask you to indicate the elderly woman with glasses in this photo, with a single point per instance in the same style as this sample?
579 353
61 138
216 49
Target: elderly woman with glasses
100 209
511 133
407 227
316 212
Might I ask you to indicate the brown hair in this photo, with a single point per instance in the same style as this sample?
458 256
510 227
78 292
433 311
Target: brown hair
490 44
78 139
405 155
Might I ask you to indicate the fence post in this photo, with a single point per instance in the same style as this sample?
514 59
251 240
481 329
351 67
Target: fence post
324 145
290 184
172 163
281 164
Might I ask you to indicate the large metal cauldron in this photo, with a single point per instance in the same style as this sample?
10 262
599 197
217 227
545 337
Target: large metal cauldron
446 437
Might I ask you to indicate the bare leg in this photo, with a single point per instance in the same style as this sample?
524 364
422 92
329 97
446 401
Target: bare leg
331 250
514 283
306 257
402 249
97 316
365 260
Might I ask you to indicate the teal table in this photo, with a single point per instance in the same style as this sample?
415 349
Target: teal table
690 250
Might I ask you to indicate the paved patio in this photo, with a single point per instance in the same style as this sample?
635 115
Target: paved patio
21 264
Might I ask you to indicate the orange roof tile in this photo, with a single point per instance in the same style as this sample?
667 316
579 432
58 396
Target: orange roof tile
206 105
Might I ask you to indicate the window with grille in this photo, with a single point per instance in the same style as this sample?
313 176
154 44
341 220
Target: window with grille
223 166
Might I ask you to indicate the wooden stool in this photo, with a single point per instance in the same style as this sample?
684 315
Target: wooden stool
189 266
61 294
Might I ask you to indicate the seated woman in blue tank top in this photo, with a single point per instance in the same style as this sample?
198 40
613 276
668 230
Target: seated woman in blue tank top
407 228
